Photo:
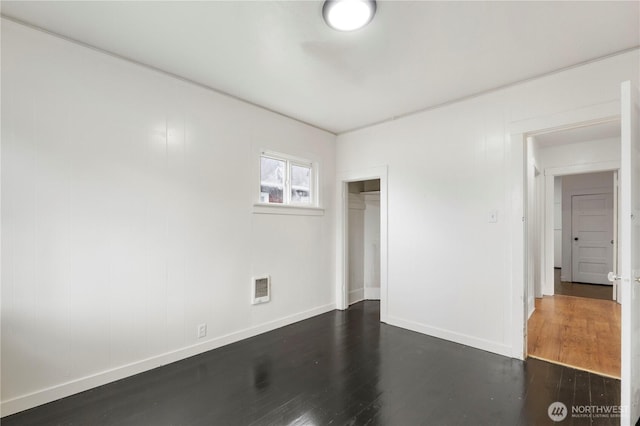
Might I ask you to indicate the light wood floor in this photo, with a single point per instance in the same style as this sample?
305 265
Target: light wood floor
593 291
577 332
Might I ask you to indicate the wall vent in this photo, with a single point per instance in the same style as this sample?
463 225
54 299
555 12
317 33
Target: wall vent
261 289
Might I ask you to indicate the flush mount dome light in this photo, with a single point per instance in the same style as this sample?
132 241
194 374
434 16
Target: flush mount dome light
348 15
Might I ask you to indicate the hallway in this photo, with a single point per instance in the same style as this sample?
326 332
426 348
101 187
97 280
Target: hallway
593 291
579 332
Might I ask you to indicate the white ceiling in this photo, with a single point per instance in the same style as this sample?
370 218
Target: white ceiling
281 55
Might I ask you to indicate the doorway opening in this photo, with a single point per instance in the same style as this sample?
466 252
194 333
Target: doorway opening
365 191
585 234
574 319
363 243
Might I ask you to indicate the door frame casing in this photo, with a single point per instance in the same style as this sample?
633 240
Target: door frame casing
550 175
628 255
519 131
342 226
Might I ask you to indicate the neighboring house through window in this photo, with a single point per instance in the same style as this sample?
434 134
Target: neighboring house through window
286 180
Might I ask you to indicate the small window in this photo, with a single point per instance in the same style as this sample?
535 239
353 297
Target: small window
285 180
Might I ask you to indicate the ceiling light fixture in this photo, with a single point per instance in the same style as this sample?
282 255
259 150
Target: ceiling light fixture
348 15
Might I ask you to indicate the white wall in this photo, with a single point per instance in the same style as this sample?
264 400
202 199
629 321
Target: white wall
450 271
127 219
582 184
557 222
356 246
372 247
580 153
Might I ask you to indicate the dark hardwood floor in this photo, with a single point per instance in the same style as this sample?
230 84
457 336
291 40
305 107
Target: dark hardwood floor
340 368
592 291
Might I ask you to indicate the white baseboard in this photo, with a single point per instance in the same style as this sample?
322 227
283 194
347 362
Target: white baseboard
356 296
63 390
372 293
532 309
474 342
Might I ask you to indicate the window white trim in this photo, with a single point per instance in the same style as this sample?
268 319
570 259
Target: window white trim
296 210
288 206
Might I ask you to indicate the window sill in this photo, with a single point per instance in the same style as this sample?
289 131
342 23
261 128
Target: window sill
262 208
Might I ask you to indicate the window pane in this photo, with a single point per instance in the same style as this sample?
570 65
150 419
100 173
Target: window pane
271 180
300 184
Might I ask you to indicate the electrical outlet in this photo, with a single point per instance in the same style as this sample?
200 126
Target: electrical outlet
202 330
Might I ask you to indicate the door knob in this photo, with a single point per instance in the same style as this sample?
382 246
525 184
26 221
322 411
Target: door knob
575 238
613 277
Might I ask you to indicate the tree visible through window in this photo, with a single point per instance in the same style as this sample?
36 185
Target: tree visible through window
285 181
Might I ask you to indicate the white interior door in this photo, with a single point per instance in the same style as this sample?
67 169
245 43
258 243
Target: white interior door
629 254
592 233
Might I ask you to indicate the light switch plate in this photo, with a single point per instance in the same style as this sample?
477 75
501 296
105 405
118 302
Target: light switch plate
493 216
